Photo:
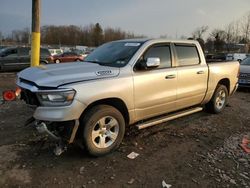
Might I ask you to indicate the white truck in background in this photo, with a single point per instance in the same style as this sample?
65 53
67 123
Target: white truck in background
236 56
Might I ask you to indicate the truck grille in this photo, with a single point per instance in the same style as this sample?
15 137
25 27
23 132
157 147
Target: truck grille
245 75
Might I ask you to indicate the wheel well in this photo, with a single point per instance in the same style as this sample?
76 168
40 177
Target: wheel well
116 103
226 83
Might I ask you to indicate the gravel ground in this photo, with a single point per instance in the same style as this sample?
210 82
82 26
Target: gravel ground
200 150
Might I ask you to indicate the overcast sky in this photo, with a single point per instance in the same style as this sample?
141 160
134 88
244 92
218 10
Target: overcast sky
149 17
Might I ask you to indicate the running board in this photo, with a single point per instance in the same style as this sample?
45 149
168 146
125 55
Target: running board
168 118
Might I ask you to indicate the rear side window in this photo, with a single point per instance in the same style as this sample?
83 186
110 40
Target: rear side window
162 52
187 55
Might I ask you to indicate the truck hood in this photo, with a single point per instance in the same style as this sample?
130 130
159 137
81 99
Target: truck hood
55 75
245 68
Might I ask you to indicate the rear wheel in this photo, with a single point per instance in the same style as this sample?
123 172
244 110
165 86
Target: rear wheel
219 100
104 128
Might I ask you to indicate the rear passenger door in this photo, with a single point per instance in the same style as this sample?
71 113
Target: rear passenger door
66 57
192 76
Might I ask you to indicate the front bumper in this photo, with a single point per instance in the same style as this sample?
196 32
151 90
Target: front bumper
244 85
244 82
60 113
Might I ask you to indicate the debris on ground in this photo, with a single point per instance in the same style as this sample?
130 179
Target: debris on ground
165 185
245 144
132 155
82 169
131 181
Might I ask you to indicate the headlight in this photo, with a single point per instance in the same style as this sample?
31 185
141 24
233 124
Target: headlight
56 98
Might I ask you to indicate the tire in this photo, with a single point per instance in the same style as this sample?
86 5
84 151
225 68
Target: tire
219 100
57 61
100 136
78 60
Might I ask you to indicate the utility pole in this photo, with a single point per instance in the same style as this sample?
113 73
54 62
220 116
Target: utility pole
35 37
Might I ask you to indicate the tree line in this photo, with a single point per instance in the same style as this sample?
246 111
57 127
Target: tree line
228 39
71 35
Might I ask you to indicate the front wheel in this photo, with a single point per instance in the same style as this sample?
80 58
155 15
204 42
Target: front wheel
57 61
104 128
219 100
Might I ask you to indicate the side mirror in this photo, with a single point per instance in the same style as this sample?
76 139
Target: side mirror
153 62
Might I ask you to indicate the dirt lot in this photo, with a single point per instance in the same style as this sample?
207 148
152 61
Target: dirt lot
200 150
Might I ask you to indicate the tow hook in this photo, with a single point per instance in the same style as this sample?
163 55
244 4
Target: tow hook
42 128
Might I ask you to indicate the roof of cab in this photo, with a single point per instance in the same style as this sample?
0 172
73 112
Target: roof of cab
143 40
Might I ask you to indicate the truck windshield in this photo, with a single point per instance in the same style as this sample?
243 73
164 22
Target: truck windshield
115 54
246 61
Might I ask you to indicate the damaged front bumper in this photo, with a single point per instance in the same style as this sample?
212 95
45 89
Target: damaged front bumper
62 133
65 131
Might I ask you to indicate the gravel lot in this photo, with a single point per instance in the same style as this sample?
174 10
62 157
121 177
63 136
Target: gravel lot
200 150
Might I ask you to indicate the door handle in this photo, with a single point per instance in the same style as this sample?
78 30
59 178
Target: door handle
200 72
170 76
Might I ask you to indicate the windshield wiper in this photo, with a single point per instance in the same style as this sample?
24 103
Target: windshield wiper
101 63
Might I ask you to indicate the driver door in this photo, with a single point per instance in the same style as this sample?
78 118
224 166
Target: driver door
155 89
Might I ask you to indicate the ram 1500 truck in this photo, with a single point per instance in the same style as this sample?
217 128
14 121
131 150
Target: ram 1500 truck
141 82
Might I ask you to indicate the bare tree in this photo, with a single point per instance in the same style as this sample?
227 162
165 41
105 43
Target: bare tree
245 26
25 35
199 32
97 35
1 38
219 37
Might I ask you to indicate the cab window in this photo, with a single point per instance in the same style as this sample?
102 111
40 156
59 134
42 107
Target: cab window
11 53
187 55
159 51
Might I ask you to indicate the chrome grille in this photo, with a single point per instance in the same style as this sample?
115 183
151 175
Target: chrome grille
245 75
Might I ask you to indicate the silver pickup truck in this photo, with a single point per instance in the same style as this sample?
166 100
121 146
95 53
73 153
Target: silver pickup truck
141 82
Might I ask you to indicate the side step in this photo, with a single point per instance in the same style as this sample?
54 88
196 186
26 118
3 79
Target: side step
168 118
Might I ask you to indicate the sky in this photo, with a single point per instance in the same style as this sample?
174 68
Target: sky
153 18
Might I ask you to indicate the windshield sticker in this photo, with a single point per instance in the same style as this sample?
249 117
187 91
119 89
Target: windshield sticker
132 44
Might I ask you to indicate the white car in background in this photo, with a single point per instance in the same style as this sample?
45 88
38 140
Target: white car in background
56 51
